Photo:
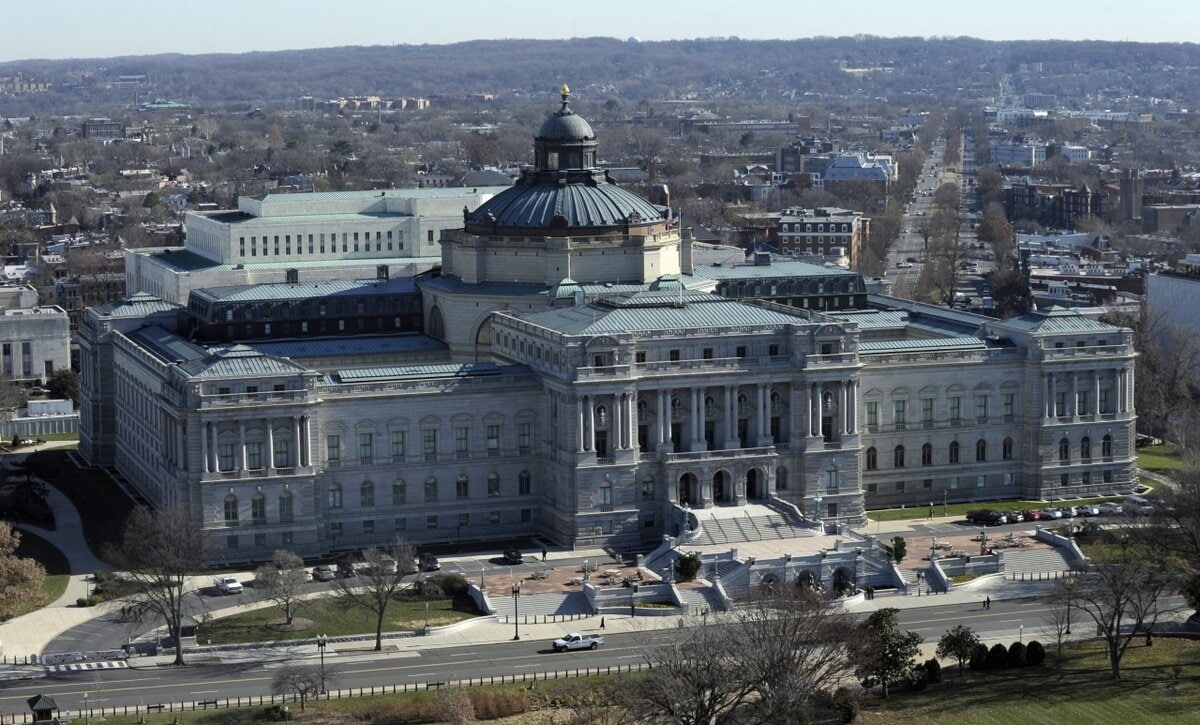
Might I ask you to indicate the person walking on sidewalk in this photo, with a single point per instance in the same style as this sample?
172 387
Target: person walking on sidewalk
987 602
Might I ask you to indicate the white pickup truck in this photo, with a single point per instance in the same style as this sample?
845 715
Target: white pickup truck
228 585
575 640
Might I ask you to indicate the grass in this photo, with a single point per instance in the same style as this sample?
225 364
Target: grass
1163 458
331 617
101 503
1078 691
57 570
960 509
964 578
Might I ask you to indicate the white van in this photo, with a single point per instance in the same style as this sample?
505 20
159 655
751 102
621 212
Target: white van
1137 506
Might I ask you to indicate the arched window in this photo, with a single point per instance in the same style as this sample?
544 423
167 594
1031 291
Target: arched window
1008 449
462 487
1106 447
231 510
927 454
258 508
524 483
1085 449
1064 451
493 485
431 489
606 495
954 451
366 494
872 459
399 491
981 450
335 495
285 506
781 478
898 457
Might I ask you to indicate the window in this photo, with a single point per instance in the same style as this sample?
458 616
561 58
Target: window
740 351
225 456
872 459
927 410
1081 402
1104 401
335 496
953 457
335 530
605 499
287 538
493 517
462 487
254 456
898 457
525 437
461 435
648 488
981 450
927 484
1008 401
1008 479
429 444
981 407
1060 404
980 481
493 440
401 524
781 479
1085 449
927 454
1064 480
639 356
955 408
524 483
366 447
282 455
831 479
258 508
954 482
1006 451
399 491
333 448
231 542
1108 476
526 515
231 510
285 507
1064 451
1106 447
872 414
368 526
366 494
493 485
872 489
898 412
673 355
899 486
431 522
431 489
398 446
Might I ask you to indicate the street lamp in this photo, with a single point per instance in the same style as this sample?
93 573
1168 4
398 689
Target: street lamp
322 640
858 555
426 617
817 516
516 594
87 714
944 509
982 542
1068 615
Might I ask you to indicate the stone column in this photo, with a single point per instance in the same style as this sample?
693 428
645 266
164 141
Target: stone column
296 427
591 420
579 423
851 407
658 420
1130 392
762 413
1048 388
731 439
204 445
242 445
1096 392
1074 411
666 419
615 427
697 404
814 412
271 446
843 410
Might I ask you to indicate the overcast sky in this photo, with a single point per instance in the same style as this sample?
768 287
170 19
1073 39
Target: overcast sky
88 29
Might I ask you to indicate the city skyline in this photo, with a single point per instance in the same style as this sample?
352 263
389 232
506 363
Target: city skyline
228 27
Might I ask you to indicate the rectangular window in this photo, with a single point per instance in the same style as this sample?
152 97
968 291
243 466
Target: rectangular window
254 457
399 492
429 236
493 440
431 522
493 517
1104 397
401 524
1081 403
981 407
287 538
639 356
872 489
980 481
461 437
462 487
464 520
398 446
231 541
872 414
525 437
429 444
955 409
282 454
927 410
366 447
954 482
526 515
673 355
335 529
927 484
333 448
899 408
225 456
900 486
493 488
1008 479
1008 400
1060 404
740 351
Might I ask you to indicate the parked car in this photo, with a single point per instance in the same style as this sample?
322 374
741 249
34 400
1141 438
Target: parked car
228 585
1137 505
429 562
1108 509
1051 513
512 556
1014 517
323 573
1087 510
577 641
1069 512
345 568
1032 515
987 517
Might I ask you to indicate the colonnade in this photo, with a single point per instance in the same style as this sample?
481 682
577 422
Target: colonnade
299 454
1090 382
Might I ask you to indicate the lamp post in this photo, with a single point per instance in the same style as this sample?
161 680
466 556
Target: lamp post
858 555
87 713
322 640
817 516
516 594
944 509
982 542
426 617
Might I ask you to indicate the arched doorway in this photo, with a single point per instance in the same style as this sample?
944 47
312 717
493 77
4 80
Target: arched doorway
756 484
843 584
688 493
805 580
437 326
722 488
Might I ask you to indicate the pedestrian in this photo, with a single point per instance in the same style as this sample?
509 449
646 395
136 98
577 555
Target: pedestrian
632 610
602 623
930 512
543 553
987 602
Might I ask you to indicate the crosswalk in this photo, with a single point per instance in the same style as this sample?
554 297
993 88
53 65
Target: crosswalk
85 666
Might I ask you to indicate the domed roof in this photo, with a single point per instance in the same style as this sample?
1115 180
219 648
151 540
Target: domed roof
566 205
565 124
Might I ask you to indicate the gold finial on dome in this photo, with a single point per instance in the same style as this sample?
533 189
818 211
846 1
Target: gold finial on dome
565 91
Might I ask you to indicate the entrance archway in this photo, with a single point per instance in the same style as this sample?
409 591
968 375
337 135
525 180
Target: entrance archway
756 484
688 490
843 584
722 488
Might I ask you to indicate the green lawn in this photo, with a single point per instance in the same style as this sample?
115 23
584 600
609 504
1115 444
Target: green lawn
1163 458
333 618
960 509
102 504
1079 691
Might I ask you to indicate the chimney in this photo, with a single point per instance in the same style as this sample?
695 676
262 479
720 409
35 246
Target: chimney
762 259
292 276
381 273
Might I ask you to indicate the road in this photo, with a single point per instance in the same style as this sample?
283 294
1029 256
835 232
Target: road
130 687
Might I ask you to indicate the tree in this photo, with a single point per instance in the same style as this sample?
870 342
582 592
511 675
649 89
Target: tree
1035 654
20 579
1057 621
958 642
158 550
64 385
375 586
303 680
777 660
12 396
1120 592
688 566
282 581
1016 655
899 548
880 652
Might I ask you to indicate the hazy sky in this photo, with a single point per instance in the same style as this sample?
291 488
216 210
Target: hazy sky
88 29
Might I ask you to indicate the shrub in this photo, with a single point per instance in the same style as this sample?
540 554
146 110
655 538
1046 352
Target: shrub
1016 655
687 567
934 669
427 589
81 602
845 704
979 657
997 657
454 585
917 678
490 705
1035 654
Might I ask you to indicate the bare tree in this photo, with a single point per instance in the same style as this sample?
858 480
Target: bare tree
157 552
20 579
303 680
375 585
282 581
1056 624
